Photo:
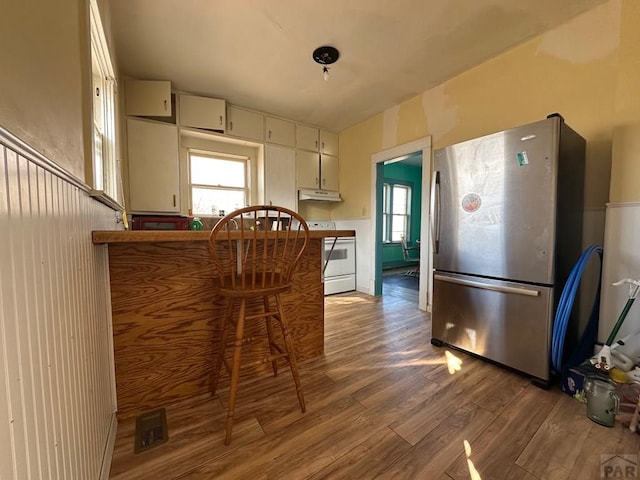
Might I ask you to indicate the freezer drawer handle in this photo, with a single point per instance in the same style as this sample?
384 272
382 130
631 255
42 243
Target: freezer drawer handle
488 286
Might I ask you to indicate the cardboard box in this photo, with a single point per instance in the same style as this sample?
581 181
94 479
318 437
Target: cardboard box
573 380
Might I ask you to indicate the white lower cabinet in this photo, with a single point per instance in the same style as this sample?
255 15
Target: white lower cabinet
154 176
280 177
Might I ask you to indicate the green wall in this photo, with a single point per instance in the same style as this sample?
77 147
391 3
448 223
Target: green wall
412 175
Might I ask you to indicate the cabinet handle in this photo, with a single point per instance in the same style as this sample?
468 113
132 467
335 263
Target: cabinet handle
220 119
230 125
269 133
174 199
316 144
317 181
322 145
165 105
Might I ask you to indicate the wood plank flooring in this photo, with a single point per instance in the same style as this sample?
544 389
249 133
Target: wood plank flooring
381 403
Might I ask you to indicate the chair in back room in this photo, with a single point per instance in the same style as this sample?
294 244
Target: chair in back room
255 251
410 255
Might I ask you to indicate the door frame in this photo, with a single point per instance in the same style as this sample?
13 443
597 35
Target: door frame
426 259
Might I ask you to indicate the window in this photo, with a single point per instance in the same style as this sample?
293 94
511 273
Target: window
105 169
218 182
396 213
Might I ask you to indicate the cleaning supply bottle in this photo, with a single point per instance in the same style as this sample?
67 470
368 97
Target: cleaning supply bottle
196 224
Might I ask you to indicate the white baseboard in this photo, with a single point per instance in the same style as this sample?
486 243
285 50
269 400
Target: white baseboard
108 448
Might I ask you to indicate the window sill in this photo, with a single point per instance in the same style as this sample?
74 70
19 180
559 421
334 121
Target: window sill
105 199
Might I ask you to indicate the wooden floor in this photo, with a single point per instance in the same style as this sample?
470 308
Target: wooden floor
381 403
395 289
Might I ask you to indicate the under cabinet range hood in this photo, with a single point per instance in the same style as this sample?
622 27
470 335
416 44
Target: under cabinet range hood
319 195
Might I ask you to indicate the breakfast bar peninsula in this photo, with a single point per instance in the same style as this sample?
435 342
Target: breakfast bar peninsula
167 314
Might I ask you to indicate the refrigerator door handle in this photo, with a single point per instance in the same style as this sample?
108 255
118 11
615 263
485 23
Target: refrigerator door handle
435 211
488 286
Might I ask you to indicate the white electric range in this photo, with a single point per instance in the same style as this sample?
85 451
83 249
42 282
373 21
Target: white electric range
339 260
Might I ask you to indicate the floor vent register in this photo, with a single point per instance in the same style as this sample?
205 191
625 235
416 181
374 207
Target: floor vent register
151 430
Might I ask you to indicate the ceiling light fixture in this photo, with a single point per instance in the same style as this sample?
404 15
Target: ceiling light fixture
325 55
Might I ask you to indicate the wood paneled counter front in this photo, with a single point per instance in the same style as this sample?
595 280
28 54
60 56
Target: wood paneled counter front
166 314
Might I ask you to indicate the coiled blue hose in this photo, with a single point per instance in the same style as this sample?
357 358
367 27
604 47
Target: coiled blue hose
565 305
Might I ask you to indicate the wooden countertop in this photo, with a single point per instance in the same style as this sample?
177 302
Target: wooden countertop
166 306
154 236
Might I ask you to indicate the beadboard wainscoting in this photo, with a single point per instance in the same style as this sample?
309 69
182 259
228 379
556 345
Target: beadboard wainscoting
57 400
621 260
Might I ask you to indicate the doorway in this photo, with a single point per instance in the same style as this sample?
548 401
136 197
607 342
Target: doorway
381 236
401 214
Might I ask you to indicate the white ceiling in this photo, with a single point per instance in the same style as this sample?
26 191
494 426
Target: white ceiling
258 53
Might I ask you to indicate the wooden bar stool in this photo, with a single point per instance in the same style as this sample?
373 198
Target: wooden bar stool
254 252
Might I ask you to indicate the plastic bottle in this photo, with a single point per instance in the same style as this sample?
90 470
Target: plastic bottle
196 224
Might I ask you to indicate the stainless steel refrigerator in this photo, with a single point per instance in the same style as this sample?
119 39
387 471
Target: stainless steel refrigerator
507 227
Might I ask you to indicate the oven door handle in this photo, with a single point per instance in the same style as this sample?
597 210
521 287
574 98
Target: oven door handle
326 262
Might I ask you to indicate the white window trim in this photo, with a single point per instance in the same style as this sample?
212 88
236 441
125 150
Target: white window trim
110 192
367 262
246 159
388 214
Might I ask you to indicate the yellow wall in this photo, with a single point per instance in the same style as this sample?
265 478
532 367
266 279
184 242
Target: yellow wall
625 168
357 144
586 70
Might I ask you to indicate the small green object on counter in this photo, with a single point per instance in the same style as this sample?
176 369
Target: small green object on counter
196 224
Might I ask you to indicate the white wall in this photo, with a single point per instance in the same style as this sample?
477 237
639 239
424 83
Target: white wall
363 239
57 403
621 260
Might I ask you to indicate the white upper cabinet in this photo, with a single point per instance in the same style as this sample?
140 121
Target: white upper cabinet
280 131
317 170
308 169
154 175
307 138
148 98
280 177
202 112
244 123
329 172
329 143
316 140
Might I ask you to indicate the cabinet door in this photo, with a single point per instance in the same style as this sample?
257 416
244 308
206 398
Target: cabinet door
280 132
280 177
307 138
308 169
329 172
329 143
154 177
245 124
202 112
148 98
